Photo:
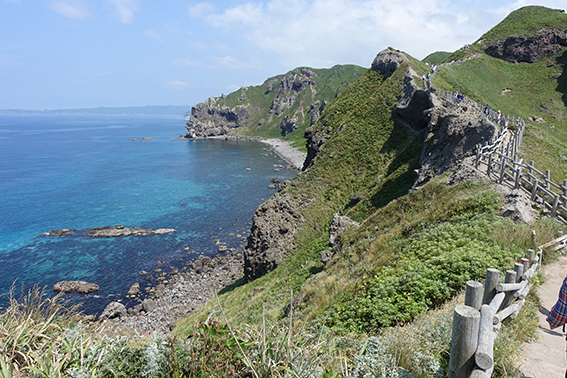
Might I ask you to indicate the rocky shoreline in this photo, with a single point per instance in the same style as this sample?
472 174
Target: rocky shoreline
184 293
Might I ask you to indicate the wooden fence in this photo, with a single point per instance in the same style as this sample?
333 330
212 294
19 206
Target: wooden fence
502 165
475 323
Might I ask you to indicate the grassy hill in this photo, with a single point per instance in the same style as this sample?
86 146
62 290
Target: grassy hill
437 57
292 97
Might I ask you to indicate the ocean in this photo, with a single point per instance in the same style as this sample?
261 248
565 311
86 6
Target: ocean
78 172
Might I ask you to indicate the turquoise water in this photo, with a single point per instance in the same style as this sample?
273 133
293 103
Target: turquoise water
79 172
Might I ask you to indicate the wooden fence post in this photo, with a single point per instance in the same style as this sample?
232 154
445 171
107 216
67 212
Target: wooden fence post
502 169
490 285
555 204
519 269
473 294
518 177
485 348
510 278
464 338
534 189
526 264
530 255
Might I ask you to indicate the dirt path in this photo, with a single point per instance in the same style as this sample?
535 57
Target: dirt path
546 358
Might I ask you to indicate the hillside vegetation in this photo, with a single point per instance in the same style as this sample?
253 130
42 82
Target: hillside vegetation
382 305
282 107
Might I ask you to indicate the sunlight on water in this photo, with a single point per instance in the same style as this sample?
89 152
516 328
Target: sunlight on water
79 172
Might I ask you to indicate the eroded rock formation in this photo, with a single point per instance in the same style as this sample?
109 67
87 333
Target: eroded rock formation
521 48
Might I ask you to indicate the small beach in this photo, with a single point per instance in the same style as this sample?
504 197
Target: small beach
284 149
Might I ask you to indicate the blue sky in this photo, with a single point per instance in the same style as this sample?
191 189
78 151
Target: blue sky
58 54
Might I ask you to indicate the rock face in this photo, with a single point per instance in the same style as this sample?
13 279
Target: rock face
520 48
81 287
388 61
452 133
113 310
295 100
338 225
210 119
274 225
413 103
517 206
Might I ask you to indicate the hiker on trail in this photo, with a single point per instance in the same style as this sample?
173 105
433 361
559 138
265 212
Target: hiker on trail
499 116
558 315
487 110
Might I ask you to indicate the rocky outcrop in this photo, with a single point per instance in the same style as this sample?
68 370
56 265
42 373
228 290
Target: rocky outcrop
517 206
453 131
109 232
210 119
80 287
274 225
413 103
295 100
388 61
521 48
338 226
113 310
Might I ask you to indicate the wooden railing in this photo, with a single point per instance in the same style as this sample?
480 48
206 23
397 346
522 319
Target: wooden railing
475 323
502 165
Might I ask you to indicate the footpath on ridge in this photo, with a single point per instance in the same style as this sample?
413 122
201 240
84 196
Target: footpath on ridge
546 358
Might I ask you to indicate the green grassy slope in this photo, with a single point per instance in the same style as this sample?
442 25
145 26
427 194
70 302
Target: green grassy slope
437 57
413 251
524 90
329 83
527 21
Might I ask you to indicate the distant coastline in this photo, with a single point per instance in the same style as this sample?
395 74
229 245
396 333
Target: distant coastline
177 110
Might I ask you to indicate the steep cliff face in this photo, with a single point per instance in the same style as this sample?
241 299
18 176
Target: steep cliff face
211 119
295 100
521 48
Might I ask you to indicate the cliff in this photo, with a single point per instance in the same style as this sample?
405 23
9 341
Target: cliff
443 135
283 106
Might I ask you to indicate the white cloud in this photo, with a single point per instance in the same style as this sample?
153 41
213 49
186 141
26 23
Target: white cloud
186 62
76 9
153 34
229 61
201 9
125 10
326 32
176 84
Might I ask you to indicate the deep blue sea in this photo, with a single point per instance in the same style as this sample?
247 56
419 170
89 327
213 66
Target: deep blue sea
80 172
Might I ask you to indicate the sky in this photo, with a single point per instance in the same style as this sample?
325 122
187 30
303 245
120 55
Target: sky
61 54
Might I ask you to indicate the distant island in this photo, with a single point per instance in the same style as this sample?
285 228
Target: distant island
181 110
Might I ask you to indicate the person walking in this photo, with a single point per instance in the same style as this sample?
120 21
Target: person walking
558 315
